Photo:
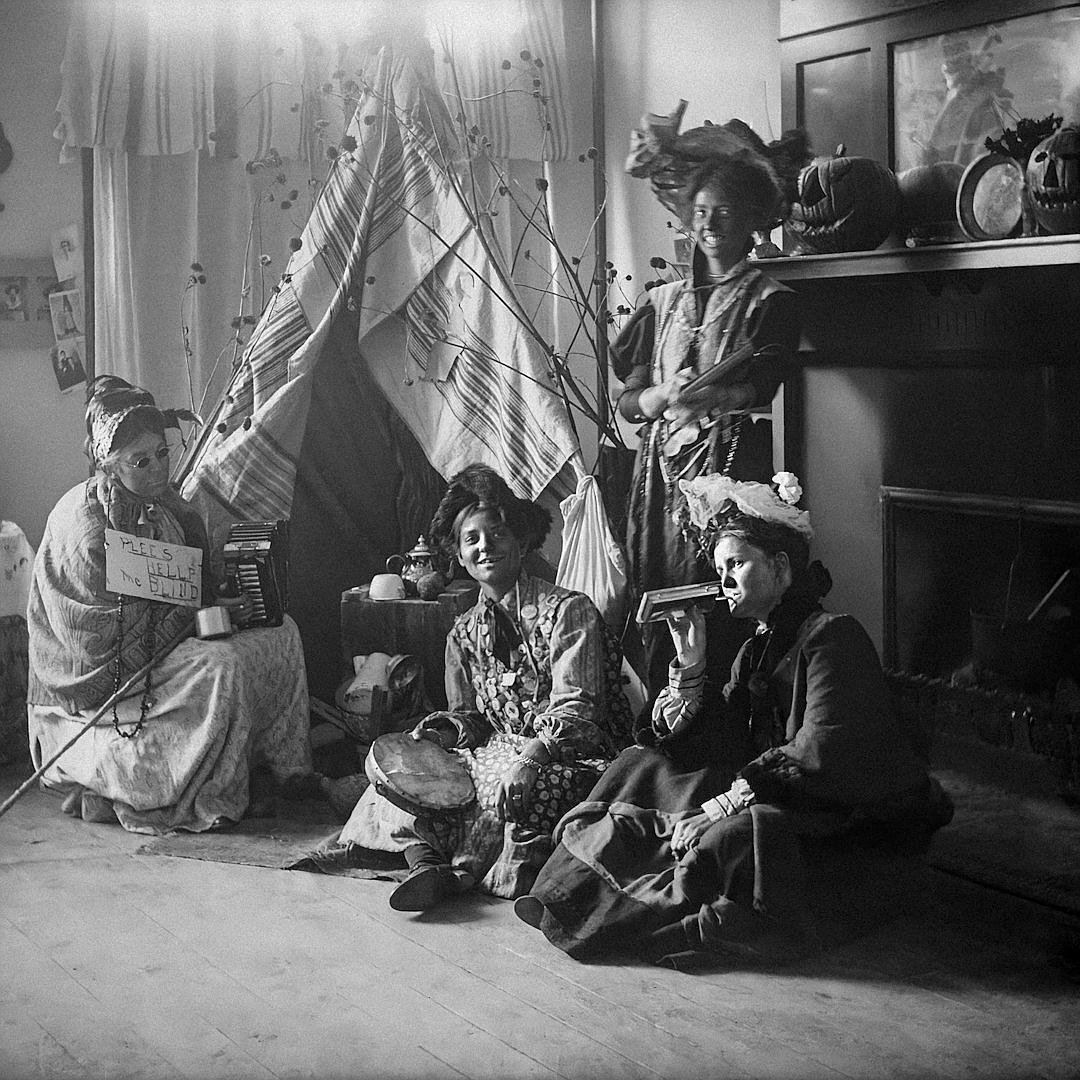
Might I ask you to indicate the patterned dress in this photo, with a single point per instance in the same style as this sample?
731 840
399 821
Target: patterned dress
214 708
539 664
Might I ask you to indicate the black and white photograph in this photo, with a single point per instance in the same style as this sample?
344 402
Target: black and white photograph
550 539
14 304
65 307
67 363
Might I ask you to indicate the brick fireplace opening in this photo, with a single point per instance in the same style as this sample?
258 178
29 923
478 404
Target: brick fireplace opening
978 586
981 603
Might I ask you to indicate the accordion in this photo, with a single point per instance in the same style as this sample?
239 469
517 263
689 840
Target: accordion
257 563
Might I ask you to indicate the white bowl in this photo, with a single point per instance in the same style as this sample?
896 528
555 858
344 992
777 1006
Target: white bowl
387 587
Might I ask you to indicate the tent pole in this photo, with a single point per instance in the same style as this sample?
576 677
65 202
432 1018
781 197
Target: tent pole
128 686
599 210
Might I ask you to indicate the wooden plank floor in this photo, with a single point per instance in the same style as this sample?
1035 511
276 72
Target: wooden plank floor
117 964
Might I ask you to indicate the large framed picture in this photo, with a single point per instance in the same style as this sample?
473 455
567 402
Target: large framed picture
951 91
911 83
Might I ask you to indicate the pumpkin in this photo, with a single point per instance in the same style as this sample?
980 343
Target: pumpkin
844 204
1053 179
928 201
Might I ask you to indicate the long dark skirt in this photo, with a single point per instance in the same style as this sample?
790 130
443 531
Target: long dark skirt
613 883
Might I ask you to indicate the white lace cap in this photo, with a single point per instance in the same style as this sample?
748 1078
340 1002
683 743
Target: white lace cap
708 495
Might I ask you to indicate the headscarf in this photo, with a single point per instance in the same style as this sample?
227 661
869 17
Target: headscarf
110 400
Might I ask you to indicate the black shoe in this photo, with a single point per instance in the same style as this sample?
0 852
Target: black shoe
424 888
529 910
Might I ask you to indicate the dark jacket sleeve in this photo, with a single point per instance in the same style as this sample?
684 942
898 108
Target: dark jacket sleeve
844 745
631 359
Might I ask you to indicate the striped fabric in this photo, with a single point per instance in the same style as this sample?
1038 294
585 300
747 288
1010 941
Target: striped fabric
519 125
440 335
157 78
138 80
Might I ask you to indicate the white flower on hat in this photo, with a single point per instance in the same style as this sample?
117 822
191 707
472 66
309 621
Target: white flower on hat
788 487
710 498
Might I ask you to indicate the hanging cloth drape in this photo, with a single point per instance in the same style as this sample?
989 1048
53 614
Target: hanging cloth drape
157 78
179 101
391 239
162 77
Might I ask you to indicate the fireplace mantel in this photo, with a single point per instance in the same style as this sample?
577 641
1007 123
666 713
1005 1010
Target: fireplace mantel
1016 254
996 303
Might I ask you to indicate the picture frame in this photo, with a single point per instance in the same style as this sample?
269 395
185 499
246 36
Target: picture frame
25 314
66 310
14 298
839 74
67 363
954 90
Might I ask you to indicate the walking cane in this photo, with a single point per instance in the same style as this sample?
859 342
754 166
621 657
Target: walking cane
130 685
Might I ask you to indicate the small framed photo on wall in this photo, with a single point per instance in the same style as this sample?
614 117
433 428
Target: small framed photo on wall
14 299
25 314
67 363
67 313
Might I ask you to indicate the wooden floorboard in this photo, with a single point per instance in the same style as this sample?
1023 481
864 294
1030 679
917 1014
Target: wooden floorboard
118 964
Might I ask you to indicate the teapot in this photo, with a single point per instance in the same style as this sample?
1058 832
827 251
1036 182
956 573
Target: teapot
413 565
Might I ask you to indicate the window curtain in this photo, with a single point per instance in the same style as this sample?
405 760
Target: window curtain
210 133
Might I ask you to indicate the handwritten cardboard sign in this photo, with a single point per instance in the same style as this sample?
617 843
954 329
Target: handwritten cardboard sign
153 569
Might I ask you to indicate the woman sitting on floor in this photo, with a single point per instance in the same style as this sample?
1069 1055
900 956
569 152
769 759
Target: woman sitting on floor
180 752
535 708
693 844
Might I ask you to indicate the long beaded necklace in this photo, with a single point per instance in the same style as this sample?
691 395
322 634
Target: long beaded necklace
148 643
687 301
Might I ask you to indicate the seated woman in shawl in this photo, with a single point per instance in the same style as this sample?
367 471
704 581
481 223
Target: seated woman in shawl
703 351
693 844
180 752
535 708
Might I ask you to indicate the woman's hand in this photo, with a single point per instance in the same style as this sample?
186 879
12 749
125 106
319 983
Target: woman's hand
688 833
654 400
714 398
436 727
513 796
241 608
687 628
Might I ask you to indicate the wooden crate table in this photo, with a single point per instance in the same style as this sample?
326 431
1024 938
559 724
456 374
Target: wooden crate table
413 626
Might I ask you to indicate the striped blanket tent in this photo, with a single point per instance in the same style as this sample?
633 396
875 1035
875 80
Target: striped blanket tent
391 288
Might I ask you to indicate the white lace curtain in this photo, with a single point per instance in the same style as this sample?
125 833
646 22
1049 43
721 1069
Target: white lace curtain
210 124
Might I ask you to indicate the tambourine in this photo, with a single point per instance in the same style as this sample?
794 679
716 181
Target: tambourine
418 776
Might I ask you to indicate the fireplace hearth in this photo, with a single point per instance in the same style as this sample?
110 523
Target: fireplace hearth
981 605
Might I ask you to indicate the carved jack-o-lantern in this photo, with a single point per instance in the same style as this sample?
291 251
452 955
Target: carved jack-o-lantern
844 204
1053 177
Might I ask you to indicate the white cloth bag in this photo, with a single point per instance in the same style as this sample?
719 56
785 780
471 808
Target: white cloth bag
591 561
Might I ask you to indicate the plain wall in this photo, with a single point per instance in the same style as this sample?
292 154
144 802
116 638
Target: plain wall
41 429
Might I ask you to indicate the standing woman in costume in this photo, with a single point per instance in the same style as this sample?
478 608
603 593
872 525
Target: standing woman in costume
727 319
180 752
